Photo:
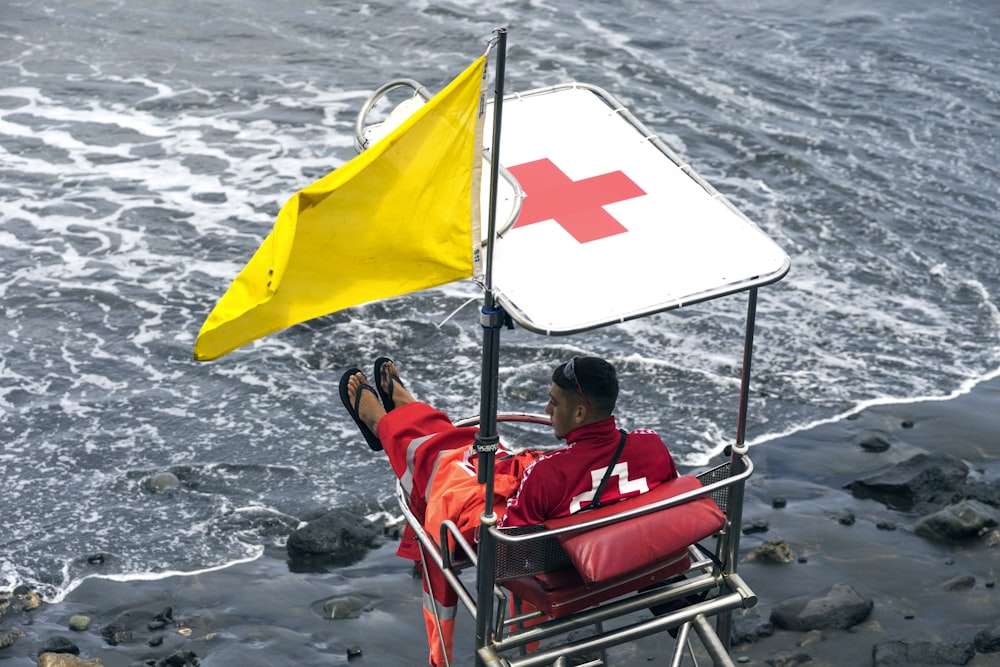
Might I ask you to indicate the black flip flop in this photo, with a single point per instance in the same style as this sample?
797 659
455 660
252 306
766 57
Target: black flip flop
352 408
386 396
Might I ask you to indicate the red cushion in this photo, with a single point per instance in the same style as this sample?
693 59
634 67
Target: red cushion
636 544
557 594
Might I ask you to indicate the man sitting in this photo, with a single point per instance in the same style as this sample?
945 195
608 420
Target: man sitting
437 465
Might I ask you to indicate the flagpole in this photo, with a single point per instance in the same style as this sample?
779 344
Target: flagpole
492 319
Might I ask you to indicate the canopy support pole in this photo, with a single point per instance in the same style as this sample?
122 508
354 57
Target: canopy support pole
734 509
492 319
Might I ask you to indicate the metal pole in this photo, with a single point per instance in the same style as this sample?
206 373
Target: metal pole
492 319
741 424
738 464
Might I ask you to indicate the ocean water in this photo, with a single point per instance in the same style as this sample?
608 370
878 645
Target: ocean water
146 147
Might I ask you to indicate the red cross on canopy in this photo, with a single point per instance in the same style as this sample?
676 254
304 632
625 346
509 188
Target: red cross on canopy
578 206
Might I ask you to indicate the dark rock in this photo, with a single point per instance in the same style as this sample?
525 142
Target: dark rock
775 550
210 197
846 519
116 633
984 491
889 654
134 625
885 525
155 641
353 652
749 627
95 559
871 443
988 640
838 609
917 484
161 620
755 526
338 535
954 651
59 645
965 520
179 659
21 599
960 583
778 502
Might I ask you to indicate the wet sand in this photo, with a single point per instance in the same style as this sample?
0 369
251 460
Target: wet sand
264 613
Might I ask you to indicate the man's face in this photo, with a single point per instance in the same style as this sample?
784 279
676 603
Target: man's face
564 409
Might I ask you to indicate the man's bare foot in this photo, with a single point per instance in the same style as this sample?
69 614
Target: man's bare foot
391 385
369 409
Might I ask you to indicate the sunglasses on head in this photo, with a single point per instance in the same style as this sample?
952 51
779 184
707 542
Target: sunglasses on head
569 371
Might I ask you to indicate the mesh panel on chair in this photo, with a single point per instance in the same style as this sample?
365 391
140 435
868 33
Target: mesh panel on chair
717 474
525 559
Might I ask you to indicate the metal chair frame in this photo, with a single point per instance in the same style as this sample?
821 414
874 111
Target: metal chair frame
529 551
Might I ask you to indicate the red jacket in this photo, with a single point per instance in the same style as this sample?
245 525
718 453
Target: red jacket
563 481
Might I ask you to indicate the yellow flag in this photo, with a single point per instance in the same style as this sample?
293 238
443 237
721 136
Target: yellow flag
400 217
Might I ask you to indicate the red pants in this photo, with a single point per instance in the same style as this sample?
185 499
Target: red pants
436 466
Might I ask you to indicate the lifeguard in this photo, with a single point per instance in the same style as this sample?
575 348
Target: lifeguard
437 465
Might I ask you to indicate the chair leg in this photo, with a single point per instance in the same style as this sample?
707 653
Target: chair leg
604 651
430 589
517 609
680 644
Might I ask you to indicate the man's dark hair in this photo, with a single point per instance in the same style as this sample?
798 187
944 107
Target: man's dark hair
596 380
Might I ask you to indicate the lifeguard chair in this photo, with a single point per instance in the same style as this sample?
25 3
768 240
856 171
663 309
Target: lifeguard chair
586 185
577 187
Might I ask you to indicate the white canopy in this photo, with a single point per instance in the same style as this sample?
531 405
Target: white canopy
612 225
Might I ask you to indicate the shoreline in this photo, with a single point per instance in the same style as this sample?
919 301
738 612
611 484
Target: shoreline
266 612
